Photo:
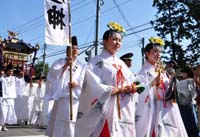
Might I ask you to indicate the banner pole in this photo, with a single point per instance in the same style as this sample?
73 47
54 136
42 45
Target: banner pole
70 43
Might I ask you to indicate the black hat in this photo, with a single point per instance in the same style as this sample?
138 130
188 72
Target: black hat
127 56
9 67
74 41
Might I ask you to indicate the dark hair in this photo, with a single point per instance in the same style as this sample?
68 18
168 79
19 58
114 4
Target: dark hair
188 70
109 33
150 46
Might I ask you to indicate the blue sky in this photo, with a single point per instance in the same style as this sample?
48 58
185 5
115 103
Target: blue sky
27 18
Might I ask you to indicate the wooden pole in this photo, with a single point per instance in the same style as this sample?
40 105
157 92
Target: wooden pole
118 106
70 43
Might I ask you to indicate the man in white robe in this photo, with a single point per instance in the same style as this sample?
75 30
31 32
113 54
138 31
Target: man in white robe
20 104
9 94
58 89
39 112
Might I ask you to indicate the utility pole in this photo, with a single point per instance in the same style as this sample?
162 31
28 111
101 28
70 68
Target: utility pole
44 56
97 27
142 50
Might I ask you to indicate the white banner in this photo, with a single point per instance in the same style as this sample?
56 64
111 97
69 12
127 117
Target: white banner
56 22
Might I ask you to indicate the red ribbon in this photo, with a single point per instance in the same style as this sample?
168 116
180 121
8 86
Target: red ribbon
119 75
163 88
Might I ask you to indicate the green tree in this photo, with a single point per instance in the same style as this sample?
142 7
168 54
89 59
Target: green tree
177 22
193 49
39 68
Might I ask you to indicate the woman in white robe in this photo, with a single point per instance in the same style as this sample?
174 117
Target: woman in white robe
156 116
58 89
105 109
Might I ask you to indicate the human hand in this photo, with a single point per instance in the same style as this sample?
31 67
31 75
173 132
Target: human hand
156 81
68 63
115 91
72 84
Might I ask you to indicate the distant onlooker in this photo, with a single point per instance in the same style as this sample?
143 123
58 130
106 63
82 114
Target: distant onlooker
186 93
196 71
127 58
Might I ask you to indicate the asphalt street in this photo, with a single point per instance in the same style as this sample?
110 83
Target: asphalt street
23 131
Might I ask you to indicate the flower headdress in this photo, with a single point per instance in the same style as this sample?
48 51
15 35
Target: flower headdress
157 41
116 26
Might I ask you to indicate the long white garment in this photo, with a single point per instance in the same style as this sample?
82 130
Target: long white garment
24 104
153 115
60 124
7 102
20 87
98 106
39 112
19 100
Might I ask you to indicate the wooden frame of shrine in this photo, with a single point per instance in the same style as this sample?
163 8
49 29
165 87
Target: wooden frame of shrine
19 55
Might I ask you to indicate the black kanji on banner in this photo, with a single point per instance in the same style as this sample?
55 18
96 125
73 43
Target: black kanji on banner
58 1
55 17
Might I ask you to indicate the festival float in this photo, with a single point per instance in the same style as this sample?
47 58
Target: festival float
18 54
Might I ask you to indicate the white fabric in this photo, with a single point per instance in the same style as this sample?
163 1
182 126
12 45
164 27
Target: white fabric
186 91
9 86
20 87
152 114
20 99
39 112
8 112
58 90
96 103
7 102
25 104
56 36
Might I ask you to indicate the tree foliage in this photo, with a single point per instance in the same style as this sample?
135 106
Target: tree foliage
178 23
39 68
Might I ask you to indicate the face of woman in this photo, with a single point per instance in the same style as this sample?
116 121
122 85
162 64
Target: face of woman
153 55
113 43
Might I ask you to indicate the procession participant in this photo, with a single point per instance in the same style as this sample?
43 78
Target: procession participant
127 58
9 94
1 94
19 100
155 116
186 94
39 112
170 68
26 112
107 102
196 71
60 124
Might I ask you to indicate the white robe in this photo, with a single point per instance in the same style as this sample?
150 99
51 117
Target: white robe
39 112
7 102
153 115
20 104
25 103
60 124
97 105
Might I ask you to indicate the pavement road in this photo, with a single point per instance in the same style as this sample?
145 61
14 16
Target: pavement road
23 131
